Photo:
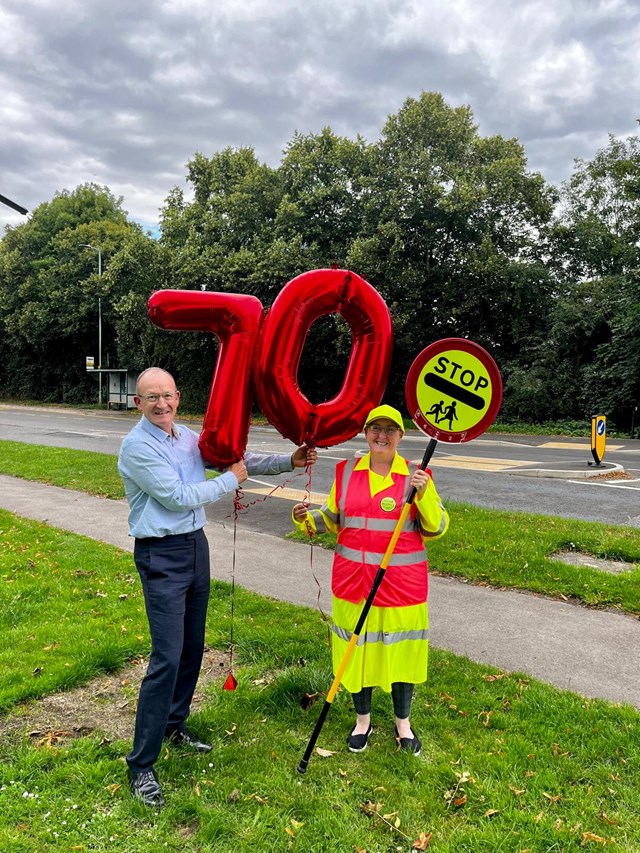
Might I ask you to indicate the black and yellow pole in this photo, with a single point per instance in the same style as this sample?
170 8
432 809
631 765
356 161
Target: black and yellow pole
302 767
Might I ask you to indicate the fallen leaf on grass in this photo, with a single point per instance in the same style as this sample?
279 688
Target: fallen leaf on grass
590 836
234 796
422 841
516 791
551 798
491 812
257 798
494 677
308 699
324 753
52 738
296 824
608 820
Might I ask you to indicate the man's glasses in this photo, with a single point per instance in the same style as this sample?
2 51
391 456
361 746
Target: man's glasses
390 430
153 398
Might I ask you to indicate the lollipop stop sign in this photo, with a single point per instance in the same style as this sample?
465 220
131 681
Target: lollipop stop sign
453 390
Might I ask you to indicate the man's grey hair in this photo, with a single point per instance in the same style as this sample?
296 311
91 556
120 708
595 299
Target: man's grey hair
147 370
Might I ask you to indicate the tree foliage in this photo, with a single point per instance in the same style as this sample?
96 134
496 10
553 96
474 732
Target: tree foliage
457 234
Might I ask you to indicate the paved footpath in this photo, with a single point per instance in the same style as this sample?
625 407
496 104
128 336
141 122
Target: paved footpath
590 652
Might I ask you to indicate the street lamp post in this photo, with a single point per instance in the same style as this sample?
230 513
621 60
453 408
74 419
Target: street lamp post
99 251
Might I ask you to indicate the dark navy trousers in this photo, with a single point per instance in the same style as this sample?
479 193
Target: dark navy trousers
174 571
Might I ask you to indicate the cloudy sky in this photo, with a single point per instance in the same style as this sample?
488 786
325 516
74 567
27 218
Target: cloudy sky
123 94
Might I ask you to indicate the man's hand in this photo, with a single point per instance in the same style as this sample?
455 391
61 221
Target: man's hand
304 456
240 470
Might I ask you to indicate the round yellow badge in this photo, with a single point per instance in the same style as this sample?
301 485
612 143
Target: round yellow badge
387 504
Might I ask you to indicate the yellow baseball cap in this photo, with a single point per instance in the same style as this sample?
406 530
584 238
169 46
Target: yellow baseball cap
387 412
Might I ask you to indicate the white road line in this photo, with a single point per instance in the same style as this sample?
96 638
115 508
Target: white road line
589 481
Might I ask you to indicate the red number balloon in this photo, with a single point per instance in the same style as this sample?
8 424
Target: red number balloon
235 319
302 301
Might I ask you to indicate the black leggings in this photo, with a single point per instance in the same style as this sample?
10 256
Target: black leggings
401 694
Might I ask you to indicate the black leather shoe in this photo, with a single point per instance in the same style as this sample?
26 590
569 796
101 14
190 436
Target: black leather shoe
145 787
410 744
358 743
183 739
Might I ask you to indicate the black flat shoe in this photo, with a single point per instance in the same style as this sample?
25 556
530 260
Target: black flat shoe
410 744
358 743
146 788
183 739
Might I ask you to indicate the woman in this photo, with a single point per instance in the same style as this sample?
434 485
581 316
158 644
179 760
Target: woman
364 504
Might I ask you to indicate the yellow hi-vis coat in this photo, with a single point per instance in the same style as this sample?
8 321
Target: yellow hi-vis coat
394 643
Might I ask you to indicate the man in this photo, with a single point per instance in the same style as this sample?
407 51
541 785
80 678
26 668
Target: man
166 487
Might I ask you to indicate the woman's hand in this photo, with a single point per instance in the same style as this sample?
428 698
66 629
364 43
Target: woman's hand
419 481
300 512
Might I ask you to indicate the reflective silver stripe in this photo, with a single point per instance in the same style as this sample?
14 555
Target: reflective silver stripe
321 526
388 525
374 558
384 637
443 524
346 474
333 516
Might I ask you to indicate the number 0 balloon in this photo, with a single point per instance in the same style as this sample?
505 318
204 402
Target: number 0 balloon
302 301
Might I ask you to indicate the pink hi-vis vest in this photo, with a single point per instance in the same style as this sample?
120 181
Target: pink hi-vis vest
366 527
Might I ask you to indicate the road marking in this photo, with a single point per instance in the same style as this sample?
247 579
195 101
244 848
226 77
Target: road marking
477 463
591 481
288 494
564 445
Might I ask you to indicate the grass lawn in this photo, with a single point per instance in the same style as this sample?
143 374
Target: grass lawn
508 764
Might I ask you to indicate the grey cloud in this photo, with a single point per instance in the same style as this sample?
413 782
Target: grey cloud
126 95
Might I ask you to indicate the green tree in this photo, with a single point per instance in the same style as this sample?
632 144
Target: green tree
595 255
452 233
50 287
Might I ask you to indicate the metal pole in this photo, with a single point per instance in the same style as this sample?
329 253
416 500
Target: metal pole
99 251
302 767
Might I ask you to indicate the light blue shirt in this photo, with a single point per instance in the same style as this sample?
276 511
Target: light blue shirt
165 481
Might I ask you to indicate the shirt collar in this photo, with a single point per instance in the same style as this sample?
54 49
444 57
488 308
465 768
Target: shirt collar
398 465
156 432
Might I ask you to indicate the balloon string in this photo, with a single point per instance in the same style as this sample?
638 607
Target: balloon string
311 533
239 507
236 504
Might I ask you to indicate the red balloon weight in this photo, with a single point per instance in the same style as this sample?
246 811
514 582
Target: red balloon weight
280 346
235 318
